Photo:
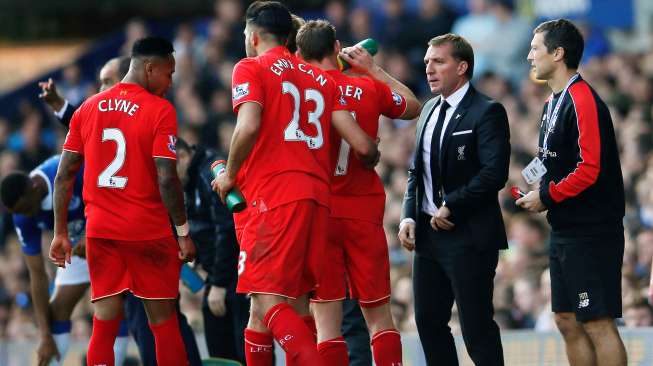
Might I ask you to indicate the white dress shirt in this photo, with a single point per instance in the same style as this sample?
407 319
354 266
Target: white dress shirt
428 206
59 113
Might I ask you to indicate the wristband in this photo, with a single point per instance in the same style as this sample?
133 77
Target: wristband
182 230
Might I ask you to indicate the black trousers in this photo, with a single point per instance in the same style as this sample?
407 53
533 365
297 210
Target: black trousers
447 268
356 334
225 335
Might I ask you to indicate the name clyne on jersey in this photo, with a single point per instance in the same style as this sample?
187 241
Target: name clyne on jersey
120 105
281 65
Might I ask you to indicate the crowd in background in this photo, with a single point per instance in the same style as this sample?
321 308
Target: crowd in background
206 51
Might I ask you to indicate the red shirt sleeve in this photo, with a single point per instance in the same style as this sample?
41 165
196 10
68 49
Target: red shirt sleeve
74 141
245 84
393 104
589 141
165 134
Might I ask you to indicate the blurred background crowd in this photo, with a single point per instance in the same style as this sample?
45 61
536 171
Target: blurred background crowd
618 65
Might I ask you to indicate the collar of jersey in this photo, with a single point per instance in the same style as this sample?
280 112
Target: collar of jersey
132 86
278 50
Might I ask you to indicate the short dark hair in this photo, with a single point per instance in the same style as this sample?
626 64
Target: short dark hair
123 66
316 40
297 23
13 187
152 46
462 50
563 33
272 17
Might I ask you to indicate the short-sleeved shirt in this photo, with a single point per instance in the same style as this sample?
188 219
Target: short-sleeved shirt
29 229
290 160
120 131
357 192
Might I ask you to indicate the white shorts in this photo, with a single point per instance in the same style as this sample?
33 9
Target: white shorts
75 273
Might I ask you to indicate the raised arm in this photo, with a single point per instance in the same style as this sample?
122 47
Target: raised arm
362 62
62 109
362 144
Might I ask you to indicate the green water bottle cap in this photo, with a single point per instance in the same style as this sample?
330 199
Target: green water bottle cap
234 200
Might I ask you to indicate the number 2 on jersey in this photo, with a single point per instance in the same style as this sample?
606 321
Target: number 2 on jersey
107 179
292 131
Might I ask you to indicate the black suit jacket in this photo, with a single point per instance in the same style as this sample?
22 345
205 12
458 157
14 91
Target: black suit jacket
474 160
67 115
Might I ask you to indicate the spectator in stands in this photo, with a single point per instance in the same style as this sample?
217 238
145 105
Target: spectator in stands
513 30
135 29
394 26
359 21
336 14
526 299
639 314
73 86
479 27
544 321
434 18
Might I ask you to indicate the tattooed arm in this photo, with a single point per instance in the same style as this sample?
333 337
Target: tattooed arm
172 196
69 165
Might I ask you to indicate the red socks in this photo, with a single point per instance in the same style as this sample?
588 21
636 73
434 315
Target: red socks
100 348
258 348
334 352
293 335
386 348
170 349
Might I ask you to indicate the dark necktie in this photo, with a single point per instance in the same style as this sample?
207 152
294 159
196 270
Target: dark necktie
435 154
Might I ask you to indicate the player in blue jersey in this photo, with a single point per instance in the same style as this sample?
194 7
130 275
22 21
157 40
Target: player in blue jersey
29 198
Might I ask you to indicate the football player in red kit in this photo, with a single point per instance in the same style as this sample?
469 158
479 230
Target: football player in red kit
279 158
357 244
126 136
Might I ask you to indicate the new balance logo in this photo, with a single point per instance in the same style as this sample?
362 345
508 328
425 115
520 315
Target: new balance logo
583 300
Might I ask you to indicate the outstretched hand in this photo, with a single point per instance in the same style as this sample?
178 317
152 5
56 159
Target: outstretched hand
50 95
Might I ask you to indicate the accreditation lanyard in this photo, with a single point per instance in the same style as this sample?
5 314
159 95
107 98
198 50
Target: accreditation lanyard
552 116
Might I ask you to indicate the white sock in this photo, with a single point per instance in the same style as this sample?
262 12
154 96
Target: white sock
63 341
120 349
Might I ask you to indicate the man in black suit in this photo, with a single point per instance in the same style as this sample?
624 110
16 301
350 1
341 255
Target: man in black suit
451 214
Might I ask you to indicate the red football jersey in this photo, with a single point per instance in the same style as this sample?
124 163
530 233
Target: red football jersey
120 131
290 160
357 192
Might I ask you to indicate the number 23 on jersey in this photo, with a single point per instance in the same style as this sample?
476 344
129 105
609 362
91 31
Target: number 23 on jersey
293 132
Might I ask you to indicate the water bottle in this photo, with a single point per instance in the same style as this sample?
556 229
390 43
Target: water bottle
235 200
369 44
